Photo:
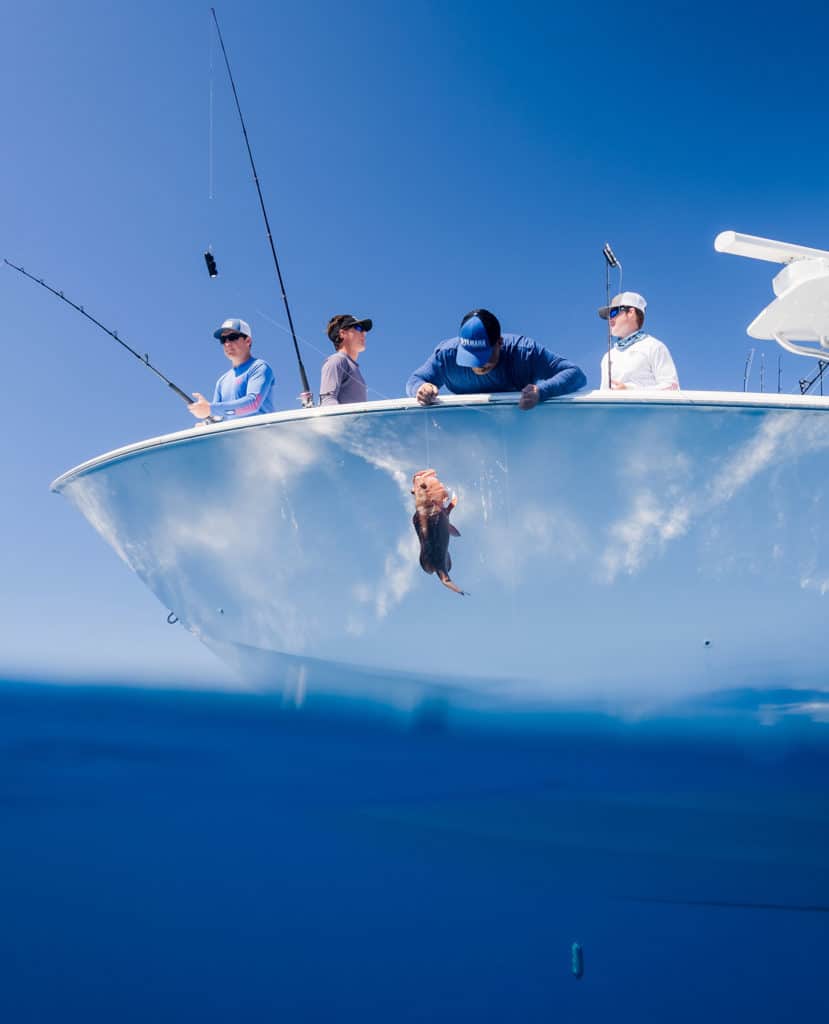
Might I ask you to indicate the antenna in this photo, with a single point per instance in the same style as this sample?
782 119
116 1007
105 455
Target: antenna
756 248
800 311
610 261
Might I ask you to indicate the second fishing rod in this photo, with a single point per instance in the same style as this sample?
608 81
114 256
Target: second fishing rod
145 359
306 397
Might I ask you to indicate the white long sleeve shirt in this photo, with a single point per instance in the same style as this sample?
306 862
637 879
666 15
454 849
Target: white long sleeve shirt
640 361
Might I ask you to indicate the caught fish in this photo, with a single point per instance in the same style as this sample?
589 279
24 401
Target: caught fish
432 526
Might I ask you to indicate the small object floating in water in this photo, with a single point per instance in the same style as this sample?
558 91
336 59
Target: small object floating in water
577 961
211 264
432 526
707 643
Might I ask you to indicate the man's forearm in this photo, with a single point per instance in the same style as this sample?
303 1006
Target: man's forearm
570 379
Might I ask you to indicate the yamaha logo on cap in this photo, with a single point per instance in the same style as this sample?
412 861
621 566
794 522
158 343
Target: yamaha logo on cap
474 348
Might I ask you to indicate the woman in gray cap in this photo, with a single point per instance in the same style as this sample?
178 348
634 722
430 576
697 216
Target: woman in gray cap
341 382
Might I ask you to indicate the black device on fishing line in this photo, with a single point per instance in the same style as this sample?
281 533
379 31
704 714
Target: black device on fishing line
306 397
145 359
210 260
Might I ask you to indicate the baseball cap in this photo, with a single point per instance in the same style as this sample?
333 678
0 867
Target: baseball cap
348 321
474 348
624 299
240 326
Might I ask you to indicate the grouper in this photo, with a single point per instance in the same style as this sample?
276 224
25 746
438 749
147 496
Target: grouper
432 526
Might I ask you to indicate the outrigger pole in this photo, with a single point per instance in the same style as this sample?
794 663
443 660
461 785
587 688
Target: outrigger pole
609 261
306 397
145 359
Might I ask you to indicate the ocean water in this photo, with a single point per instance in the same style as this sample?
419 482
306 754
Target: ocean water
177 856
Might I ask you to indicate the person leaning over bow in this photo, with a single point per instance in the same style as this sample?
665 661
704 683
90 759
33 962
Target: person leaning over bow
481 359
341 382
637 359
246 387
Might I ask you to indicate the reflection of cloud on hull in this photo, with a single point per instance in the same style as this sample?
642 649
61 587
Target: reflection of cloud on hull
651 522
643 532
399 573
265 455
96 510
536 530
820 585
778 435
400 566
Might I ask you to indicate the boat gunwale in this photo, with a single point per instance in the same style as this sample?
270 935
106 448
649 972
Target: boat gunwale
711 399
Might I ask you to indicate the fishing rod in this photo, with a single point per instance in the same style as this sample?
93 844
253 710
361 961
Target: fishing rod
747 371
145 359
807 383
610 261
306 397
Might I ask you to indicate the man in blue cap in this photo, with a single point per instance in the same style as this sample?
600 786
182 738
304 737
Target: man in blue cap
481 359
246 387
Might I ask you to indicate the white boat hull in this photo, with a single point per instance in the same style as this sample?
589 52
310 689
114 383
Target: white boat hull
629 549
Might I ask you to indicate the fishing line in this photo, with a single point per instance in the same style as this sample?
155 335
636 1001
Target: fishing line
306 397
145 359
428 445
210 46
509 519
209 259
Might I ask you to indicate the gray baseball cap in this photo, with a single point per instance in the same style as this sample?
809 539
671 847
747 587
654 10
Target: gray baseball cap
624 299
239 326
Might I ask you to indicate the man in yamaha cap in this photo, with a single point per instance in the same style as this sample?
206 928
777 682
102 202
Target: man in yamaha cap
637 359
481 359
246 387
341 381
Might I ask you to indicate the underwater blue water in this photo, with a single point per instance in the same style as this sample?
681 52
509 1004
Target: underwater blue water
179 856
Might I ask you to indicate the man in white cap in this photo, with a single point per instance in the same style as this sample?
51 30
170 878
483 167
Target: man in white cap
246 387
637 359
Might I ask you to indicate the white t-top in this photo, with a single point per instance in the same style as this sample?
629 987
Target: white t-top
645 363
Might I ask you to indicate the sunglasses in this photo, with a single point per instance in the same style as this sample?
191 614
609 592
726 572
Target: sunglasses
613 313
233 336
357 327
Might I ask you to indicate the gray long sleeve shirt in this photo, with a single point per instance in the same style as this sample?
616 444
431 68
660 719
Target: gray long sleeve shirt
341 382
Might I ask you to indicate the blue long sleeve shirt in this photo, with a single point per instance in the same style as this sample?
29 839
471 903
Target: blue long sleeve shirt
243 390
522 362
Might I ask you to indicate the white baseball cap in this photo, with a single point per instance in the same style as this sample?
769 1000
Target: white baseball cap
624 299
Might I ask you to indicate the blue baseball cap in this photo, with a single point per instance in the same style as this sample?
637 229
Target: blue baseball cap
474 348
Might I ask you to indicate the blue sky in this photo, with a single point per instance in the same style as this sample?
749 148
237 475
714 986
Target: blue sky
416 163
